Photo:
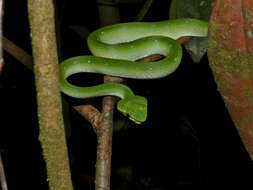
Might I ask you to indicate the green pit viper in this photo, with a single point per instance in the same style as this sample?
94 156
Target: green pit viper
117 47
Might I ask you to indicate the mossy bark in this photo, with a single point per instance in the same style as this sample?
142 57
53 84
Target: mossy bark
230 52
52 134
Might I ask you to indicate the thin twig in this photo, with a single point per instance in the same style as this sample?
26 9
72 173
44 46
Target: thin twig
1 36
18 53
2 175
90 113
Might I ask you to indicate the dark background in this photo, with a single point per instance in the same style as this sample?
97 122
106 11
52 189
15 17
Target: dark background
188 140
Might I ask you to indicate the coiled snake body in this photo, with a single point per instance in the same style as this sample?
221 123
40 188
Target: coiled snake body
117 47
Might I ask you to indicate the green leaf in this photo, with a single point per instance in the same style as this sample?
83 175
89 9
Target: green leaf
198 9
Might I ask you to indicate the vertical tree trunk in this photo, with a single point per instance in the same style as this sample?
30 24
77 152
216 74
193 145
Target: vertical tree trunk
52 134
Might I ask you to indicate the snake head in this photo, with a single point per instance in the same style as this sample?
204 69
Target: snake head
135 107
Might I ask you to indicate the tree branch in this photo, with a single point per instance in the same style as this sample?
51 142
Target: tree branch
52 134
2 175
18 53
108 15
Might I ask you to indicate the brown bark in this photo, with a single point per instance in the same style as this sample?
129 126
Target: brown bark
108 15
52 134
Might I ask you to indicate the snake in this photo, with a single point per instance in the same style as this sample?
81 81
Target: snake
115 50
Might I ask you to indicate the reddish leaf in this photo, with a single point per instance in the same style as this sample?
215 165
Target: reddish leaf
230 51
